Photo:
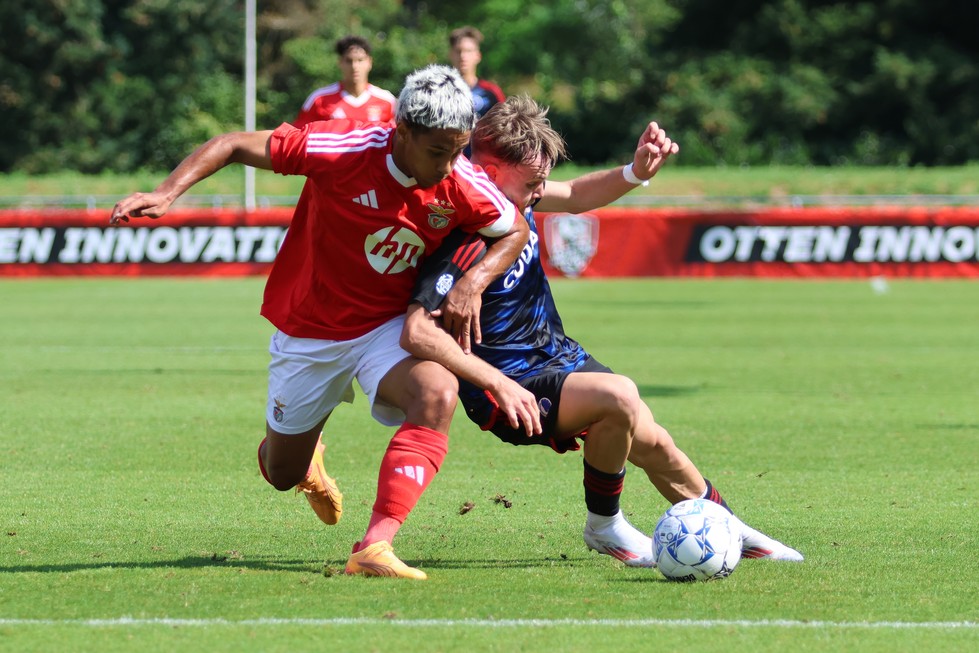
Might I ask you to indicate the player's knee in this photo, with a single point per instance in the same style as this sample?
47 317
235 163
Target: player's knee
439 391
622 399
285 476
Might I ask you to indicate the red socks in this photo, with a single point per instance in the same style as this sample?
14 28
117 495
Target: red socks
413 457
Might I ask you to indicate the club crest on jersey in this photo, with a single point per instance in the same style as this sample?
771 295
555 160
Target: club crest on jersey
571 242
440 212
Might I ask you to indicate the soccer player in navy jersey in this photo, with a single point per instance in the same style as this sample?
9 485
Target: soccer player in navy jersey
521 336
465 54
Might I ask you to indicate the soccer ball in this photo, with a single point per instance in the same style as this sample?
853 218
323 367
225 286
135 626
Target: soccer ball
696 539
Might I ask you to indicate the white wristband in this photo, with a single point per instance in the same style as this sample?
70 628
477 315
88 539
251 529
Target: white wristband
631 177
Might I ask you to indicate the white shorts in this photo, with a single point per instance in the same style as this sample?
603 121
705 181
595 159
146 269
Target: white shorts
308 378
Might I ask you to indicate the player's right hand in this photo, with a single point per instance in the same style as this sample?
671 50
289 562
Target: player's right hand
140 205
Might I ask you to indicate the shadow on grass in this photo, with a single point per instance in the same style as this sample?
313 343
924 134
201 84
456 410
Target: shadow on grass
949 427
191 562
327 567
668 390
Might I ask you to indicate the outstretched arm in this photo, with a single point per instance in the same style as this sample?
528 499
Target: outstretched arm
249 148
423 338
599 188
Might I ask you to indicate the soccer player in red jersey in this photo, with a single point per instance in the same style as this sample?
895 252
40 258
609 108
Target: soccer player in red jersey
353 97
376 200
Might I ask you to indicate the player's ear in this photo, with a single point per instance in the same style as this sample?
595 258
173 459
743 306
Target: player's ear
402 130
492 170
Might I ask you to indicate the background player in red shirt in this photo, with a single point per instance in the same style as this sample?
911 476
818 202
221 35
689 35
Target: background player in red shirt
353 97
377 199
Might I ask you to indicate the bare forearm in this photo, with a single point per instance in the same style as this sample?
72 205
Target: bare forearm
250 148
586 193
423 338
220 151
500 255
599 188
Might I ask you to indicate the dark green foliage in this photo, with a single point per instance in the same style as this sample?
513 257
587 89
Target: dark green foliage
91 85
94 85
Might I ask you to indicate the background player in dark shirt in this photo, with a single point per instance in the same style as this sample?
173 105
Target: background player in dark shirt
521 334
465 55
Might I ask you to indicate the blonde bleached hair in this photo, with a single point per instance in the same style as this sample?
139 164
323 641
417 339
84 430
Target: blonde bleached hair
435 97
517 131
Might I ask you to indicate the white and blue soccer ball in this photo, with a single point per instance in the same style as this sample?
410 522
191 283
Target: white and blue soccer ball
697 539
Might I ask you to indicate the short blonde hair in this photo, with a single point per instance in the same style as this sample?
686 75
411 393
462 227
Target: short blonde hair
435 97
517 131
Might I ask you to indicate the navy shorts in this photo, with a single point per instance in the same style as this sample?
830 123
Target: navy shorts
546 386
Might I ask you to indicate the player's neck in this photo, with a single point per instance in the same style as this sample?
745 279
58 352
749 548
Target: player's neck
470 79
355 90
397 152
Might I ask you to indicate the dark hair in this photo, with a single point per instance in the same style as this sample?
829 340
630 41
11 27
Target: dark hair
466 32
348 42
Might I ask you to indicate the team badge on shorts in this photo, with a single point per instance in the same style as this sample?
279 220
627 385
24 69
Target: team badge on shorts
277 412
439 217
544 405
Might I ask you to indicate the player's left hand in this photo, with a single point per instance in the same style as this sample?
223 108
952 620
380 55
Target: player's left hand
519 405
460 314
654 148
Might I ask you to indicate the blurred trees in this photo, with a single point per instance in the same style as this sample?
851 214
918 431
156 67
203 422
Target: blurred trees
115 84
95 85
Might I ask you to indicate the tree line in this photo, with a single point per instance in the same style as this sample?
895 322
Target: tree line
123 85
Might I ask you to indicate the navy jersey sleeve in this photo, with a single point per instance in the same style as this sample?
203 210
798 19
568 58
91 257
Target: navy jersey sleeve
439 272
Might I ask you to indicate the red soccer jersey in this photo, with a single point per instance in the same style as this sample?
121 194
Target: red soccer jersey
333 103
350 258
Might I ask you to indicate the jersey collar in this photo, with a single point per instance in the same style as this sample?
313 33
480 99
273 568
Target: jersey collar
399 176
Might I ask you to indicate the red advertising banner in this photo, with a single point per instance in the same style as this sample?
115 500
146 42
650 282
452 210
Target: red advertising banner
771 242
185 242
612 242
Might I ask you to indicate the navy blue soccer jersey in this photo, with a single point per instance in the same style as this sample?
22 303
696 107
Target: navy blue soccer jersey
521 330
485 94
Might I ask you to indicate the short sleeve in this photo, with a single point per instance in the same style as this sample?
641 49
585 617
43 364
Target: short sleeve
439 272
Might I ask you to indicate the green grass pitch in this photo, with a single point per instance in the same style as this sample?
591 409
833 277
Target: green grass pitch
839 416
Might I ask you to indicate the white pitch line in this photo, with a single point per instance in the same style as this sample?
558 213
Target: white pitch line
502 623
